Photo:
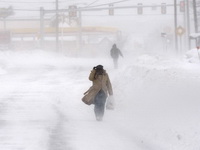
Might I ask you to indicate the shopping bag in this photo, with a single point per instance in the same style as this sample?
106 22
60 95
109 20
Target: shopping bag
110 104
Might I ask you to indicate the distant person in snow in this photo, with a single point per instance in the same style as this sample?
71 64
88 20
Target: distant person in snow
115 53
101 87
198 43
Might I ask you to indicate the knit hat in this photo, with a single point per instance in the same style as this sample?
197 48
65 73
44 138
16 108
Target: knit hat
99 67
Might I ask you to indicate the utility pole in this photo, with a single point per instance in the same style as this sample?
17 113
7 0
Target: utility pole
80 30
41 27
188 23
175 24
4 23
57 27
195 16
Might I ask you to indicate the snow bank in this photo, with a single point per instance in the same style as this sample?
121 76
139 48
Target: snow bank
162 96
193 56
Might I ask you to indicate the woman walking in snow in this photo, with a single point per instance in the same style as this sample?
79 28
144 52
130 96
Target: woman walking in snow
101 87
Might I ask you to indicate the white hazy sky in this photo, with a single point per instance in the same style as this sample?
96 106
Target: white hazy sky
30 4
31 7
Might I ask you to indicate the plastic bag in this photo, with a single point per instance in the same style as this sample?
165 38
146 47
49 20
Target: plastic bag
110 103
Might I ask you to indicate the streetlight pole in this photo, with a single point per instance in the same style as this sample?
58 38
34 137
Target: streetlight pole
57 27
175 24
195 16
80 30
188 23
4 23
41 27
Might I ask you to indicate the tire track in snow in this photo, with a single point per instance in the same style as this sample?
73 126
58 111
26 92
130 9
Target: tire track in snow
58 139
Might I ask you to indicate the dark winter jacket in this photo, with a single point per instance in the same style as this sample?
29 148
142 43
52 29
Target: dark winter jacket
115 52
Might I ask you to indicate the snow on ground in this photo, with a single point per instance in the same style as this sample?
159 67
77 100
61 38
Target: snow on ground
157 103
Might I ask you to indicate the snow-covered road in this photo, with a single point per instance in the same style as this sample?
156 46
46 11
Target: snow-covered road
157 104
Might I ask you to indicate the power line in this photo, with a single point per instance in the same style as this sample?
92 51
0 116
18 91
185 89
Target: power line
92 3
27 9
24 2
30 2
53 2
109 3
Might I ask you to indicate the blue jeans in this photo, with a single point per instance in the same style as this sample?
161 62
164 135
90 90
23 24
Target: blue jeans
99 105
